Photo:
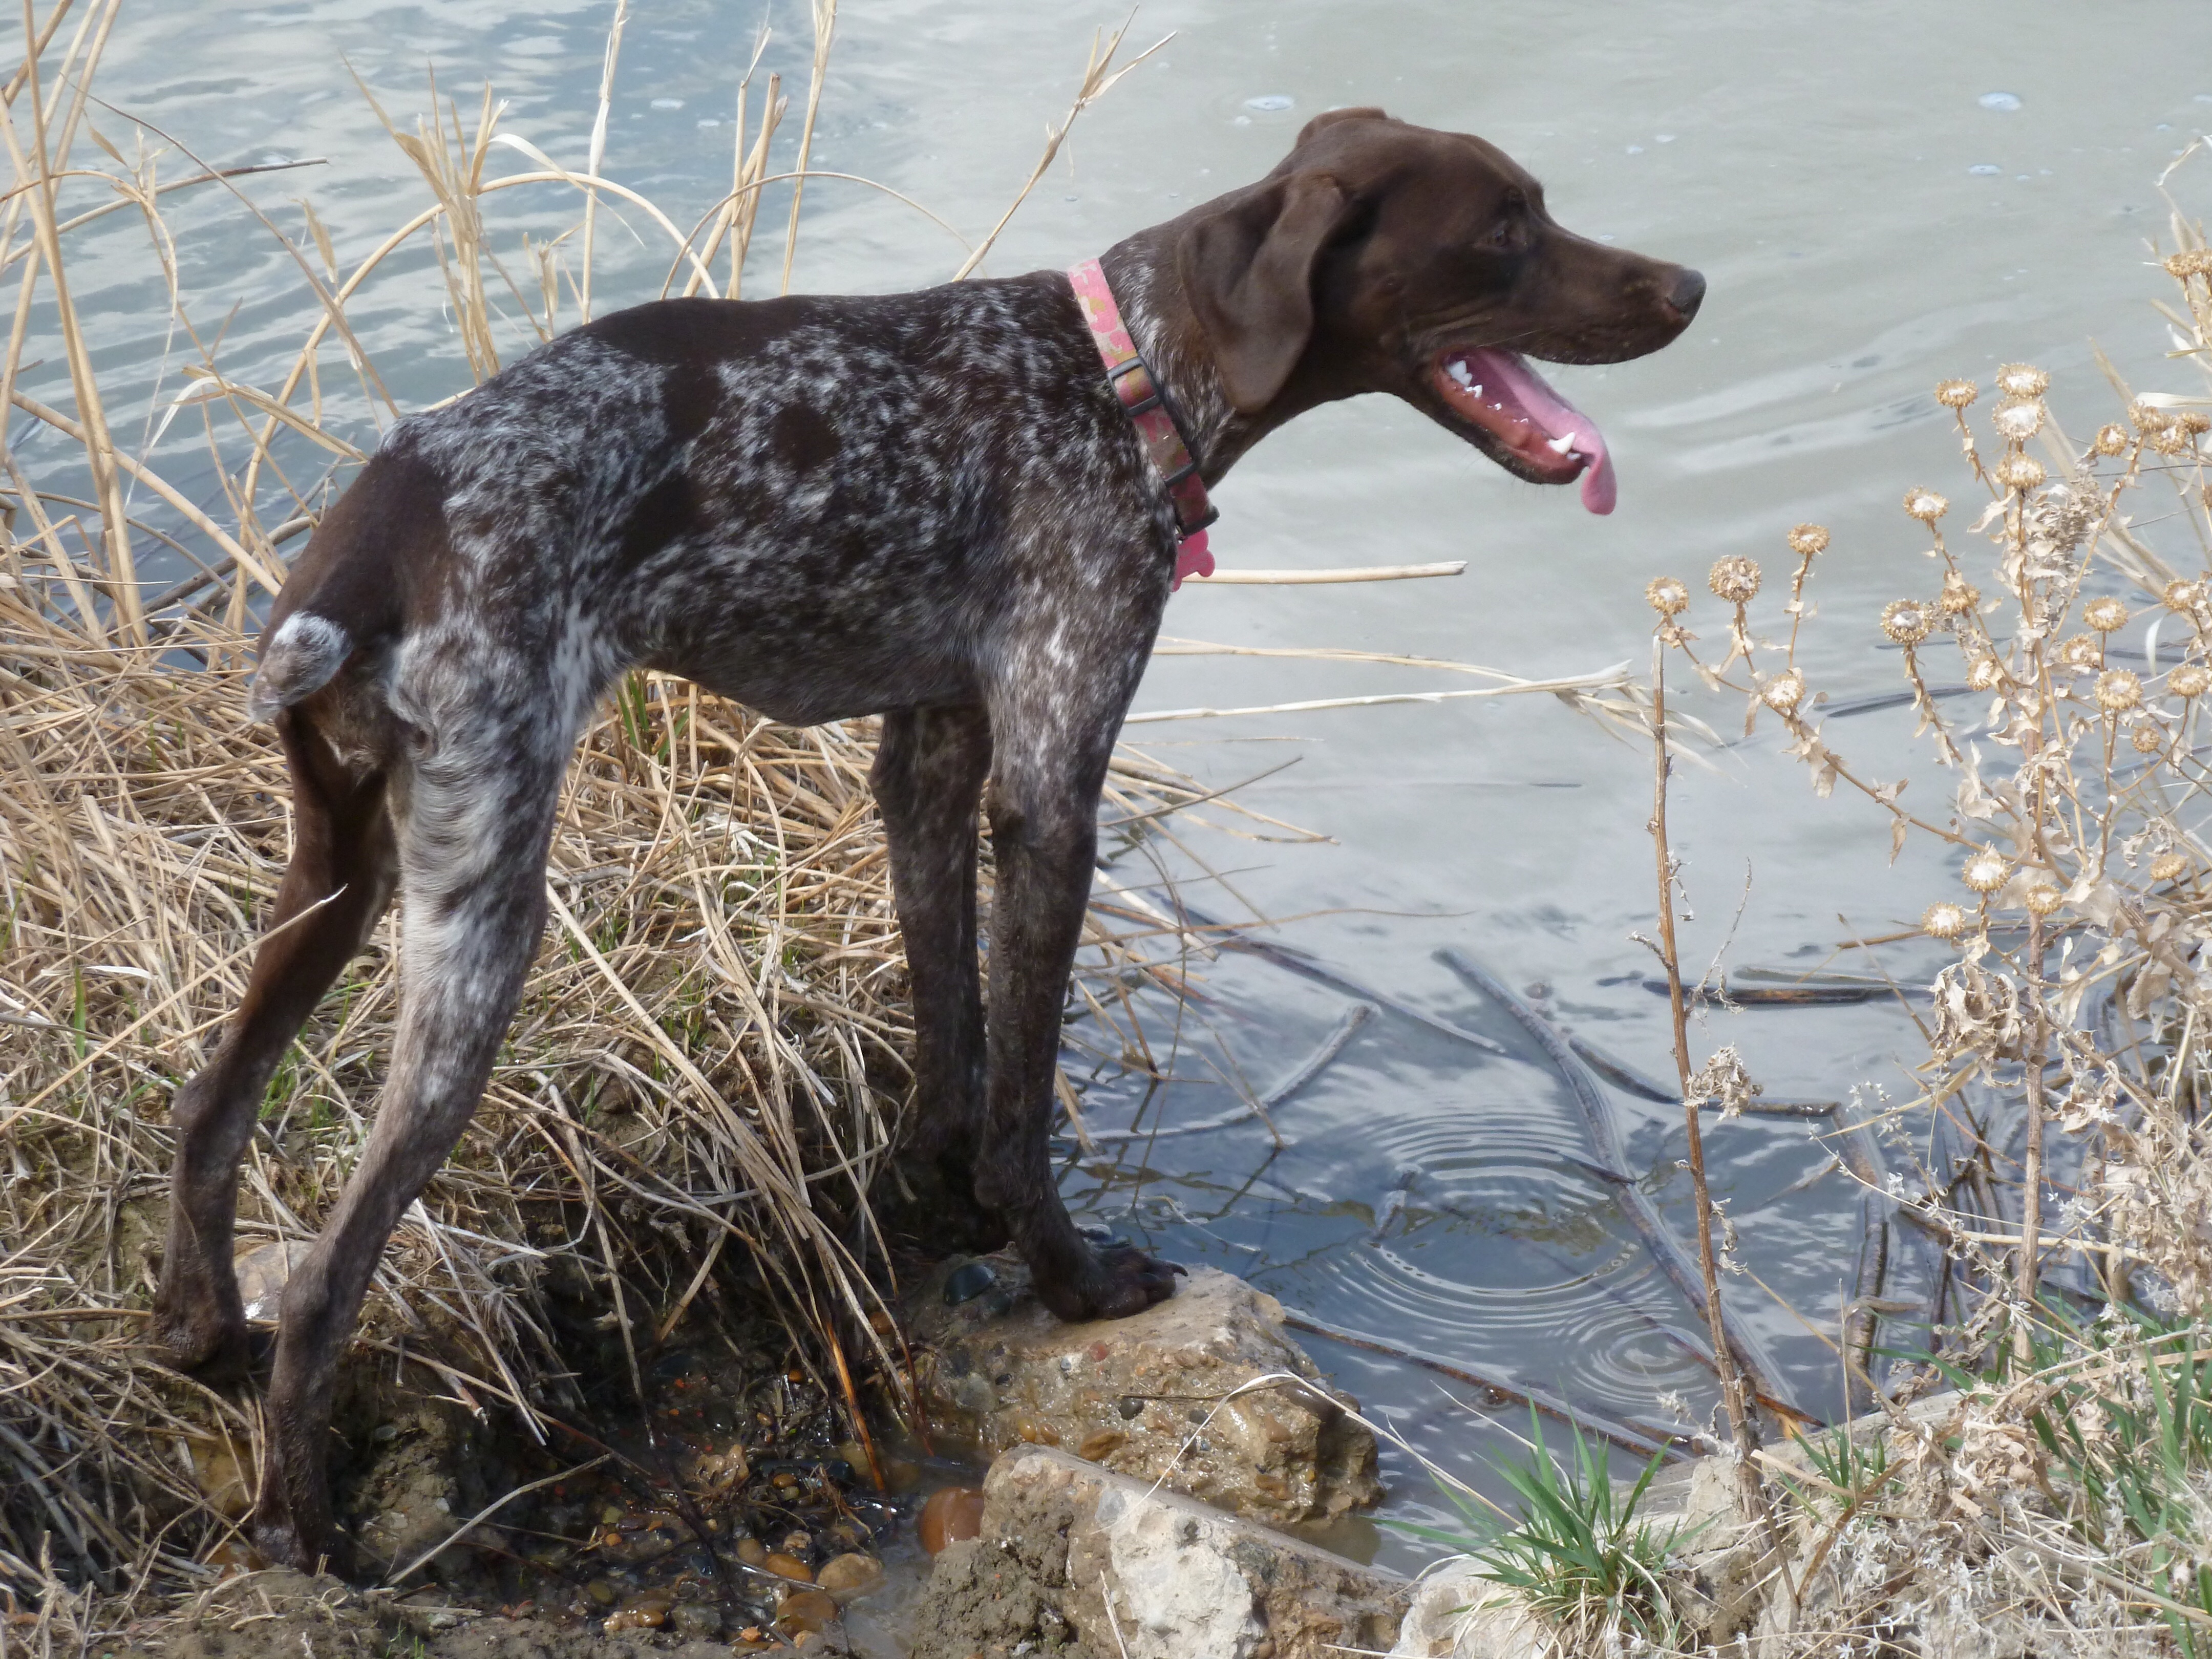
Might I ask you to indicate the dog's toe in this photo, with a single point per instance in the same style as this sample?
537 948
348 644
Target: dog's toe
1121 1280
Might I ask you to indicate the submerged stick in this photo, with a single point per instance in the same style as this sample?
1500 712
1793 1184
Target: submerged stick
1635 1203
1298 962
1314 1064
1625 1077
1628 1439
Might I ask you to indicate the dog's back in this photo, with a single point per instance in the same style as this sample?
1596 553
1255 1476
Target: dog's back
815 504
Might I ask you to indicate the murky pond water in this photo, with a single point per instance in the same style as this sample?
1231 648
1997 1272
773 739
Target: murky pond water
1870 217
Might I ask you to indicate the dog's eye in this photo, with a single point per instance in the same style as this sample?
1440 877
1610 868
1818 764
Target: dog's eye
1512 229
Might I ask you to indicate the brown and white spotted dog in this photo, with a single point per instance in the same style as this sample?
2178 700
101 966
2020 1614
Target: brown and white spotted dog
931 507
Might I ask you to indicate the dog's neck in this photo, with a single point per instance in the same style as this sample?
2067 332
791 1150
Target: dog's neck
1150 296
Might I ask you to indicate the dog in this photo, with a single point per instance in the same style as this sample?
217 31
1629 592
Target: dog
940 508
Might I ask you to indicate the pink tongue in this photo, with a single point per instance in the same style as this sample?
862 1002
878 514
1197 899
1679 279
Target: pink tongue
1558 417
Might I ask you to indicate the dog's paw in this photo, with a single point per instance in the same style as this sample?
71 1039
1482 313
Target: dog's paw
217 1354
1112 1284
281 1543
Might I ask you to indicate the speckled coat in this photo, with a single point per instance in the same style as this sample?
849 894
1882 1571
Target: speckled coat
928 506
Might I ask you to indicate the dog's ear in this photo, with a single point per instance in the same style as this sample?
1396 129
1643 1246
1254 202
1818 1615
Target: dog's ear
1248 270
1329 117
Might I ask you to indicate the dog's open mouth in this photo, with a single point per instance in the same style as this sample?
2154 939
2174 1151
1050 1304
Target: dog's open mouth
1547 438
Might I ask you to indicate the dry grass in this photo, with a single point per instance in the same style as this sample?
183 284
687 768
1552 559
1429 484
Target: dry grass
2055 1150
709 1068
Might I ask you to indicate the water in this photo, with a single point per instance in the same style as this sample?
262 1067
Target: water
1871 215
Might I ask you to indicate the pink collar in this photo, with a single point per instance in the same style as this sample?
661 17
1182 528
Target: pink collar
1141 397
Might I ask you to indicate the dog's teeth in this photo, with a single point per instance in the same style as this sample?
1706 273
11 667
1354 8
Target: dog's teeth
1457 370
1476 390
1562 444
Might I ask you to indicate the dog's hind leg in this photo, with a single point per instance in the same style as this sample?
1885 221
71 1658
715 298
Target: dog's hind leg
335 888
928 783
472 824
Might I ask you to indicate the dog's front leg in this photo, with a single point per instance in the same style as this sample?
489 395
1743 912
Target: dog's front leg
1044 840
928 783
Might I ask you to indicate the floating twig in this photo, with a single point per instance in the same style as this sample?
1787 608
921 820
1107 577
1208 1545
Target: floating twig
1357 573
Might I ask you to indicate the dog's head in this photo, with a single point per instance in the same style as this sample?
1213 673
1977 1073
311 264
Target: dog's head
1383 257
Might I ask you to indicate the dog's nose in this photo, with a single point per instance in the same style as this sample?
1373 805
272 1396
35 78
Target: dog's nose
1686 293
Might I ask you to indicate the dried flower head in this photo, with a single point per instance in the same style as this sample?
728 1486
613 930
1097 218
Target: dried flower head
2190 680
2110 441
2117 689
2020 473
2189 262
2018 419
2080 652
2021 380
1955 394
2148 739
2168 440
2194 421
1907 621
1959 596
2043 898
2104 614
2168 866
1783 692
2146 418
2182 596
1925 505
1944 920
1667 595
1806 539
1985 673
1735 579
1986 870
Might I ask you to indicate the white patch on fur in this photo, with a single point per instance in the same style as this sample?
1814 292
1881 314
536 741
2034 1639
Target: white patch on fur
306 651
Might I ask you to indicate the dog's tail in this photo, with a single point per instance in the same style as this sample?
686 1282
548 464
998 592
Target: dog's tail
304 652
347 593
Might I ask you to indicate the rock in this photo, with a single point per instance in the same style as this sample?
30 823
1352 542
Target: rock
222 1480
805 1610
697 1619
1146 1395
1075 1560
789 1567
952 1514
262 1271
845 1577
1457 1616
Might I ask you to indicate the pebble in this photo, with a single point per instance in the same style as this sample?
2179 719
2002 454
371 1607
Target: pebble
752 1552
968 1281
600 1591
1100 1442
844 1576
952 1514
700 1618
805 1610
789 1567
